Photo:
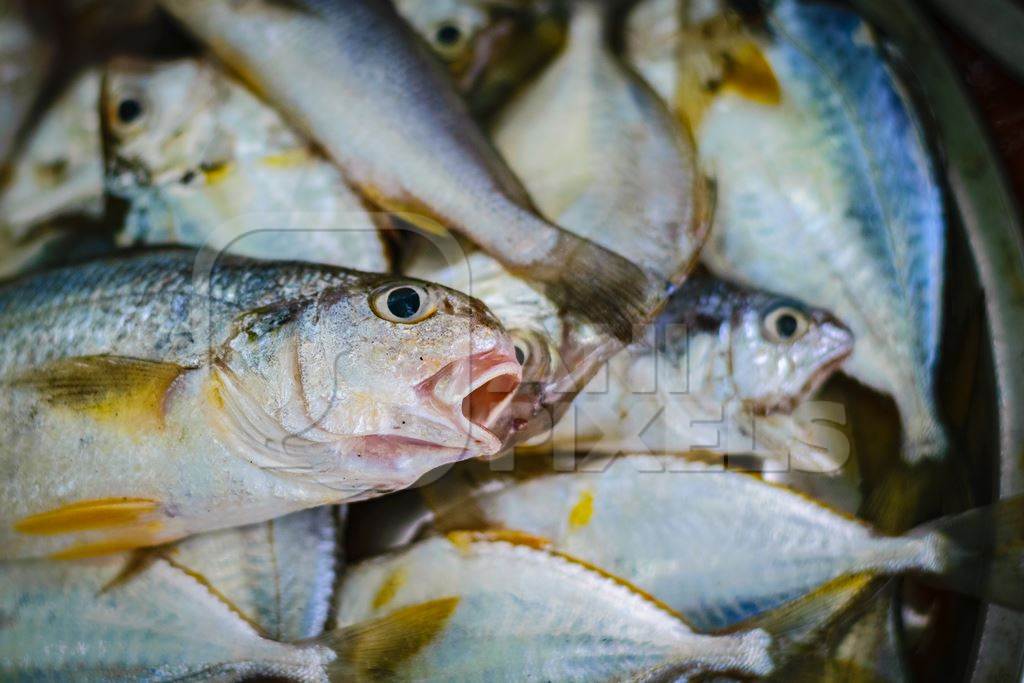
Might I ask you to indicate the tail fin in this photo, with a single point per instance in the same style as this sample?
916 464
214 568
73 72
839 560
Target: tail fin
983 552
743 654
374 649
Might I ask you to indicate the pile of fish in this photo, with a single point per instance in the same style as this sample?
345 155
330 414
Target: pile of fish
568 289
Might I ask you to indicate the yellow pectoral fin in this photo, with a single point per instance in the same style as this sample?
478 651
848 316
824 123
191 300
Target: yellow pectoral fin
127 390
749 74
138 536
88 515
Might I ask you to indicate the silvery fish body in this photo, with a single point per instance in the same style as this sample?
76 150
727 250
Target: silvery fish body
717 546
206 163
25 58
838 202
352 75
567 621
602 155
722 370
278 575
74 621
201 391
56 172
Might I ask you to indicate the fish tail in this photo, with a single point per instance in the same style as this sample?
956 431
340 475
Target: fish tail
924 437
606 289
376 649
981 552
743 654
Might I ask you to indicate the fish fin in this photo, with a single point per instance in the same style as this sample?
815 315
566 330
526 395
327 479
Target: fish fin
374 649
604 288
982 551
801 621
129 538
746 655
88 515
137 562
129 390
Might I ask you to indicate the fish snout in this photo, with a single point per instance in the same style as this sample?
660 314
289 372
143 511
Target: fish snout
475 392
837 338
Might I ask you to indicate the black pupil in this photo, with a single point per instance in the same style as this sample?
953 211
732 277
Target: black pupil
403 302
129 110
520 355
448 34
786 325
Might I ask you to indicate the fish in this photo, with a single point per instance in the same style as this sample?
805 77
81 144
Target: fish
603 157
842 168
58 171
354 77
200 391
278 575
723 370
450 27
61 623
25 60
567 620
204 162
693 534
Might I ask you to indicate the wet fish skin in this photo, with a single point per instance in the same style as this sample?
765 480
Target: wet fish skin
714 373
842 169
195 404
602 155
61 624
662 523
569 621
224 170
398 129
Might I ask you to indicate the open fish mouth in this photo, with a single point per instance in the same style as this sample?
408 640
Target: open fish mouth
472 396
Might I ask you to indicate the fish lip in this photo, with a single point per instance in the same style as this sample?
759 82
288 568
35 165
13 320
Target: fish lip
470 374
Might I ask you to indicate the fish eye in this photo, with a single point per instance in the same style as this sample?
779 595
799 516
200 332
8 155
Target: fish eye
784 324
406 303
129 110
522 353
448 35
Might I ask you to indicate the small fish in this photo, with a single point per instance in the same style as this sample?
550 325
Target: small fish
206 163
201 391
59 169
567 620
721 546
722 370
25 58
451 27
61 622
839 201
603 157
352 75
279 575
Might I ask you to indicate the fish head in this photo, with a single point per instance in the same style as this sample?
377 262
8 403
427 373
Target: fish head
782 350
450 27
367 387
162 122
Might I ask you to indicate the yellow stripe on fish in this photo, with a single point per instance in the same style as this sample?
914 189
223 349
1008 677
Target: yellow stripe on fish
88 515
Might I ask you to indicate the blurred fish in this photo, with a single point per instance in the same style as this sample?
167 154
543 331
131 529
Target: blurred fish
838 202
206 163
522 613
721 370
603 157
451 27
201 391
25 58
60 622
352 75
721 546
59 168
278 575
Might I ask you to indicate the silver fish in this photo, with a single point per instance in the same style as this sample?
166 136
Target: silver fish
722 370
353 76
721 546
838 202
59 168
568 621
603 157
201 391
278 575
206 163
64 621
